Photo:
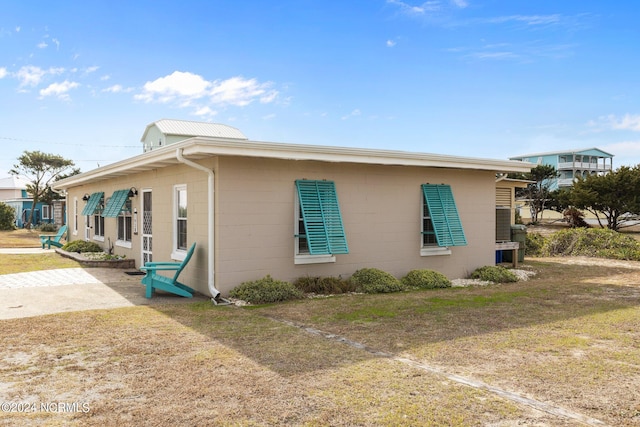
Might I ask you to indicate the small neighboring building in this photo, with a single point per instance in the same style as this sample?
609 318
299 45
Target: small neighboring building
256 208
13 192
572 164
167 131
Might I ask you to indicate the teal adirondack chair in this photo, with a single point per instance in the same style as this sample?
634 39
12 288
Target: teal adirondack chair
152 280
53 239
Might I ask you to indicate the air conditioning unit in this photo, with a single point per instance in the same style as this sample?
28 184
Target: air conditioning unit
503 224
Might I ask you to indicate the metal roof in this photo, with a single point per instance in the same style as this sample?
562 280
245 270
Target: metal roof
192 129
14 182
561 152
202 147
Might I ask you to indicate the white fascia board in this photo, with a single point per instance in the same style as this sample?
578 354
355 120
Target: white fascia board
200 147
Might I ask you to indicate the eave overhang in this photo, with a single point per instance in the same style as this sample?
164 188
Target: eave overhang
202 147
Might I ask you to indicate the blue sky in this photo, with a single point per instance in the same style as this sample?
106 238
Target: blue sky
479 78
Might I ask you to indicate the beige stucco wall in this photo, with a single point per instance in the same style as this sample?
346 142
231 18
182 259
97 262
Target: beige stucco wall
381 207
254 225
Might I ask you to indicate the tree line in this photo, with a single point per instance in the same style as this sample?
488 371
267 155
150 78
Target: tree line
613 198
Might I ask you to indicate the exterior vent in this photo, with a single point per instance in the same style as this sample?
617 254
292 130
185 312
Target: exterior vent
503 224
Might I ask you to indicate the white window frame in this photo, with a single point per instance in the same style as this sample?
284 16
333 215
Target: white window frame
123 216
302 257
430 249
47 209
98 222
177 253
75 216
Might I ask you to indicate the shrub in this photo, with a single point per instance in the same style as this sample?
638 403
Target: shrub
48 227
593 242
266 290
81 246
495 274
323 285
373 281
534 244
426 279
7 217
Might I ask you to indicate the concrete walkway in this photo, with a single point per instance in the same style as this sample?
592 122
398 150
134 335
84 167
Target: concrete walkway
74 289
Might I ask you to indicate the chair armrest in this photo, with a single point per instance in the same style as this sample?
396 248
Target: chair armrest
160 267
47 235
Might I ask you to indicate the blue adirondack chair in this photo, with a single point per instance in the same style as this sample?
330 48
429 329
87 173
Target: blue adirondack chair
152 280
53 239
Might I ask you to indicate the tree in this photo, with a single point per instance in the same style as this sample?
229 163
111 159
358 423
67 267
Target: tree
612 195
41 169
537 193
7 217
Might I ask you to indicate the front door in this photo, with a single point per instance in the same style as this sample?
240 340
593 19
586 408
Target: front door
147 239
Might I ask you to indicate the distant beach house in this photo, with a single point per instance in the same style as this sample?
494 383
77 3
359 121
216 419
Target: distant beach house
13 192
289 210
572 164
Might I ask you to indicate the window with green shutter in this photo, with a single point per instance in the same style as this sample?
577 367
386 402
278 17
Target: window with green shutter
93 203
320 228
441 225
115 204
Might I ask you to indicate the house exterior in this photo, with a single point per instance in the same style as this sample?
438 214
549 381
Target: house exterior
257 208
13 192
572 164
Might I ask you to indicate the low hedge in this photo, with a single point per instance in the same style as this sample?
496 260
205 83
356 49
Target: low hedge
266 290
426 279
81 246
495 274
374 281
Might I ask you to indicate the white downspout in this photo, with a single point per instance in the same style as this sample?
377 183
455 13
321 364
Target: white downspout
215 294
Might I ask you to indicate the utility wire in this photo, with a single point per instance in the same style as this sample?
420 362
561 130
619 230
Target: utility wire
68 143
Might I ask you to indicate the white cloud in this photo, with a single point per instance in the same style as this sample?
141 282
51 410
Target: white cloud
59 89
57 42
527 19
176 85
205 111
191 90
627 153
17 29
91 69
118 89
3 72
426 7
354 113
42 45
627 122
240 92
30 75
391 43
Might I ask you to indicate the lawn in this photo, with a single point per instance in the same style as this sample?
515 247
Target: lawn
569 338
20 238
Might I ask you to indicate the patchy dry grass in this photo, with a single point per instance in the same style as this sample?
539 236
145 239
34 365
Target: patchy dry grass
570 337
21 238
21 263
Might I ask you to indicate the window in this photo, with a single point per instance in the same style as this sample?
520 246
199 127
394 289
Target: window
319 232
98 220
119 206
124 225
180 214
46 212
75 215
441 227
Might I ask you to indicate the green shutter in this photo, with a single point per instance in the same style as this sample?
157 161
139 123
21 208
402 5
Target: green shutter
322 219
115 204
92 203
444 215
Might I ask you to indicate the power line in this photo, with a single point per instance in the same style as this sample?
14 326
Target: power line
68 143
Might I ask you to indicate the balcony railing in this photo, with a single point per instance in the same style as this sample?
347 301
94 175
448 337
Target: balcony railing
584 166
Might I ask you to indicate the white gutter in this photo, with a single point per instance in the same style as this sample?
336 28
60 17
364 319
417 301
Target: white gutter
215 294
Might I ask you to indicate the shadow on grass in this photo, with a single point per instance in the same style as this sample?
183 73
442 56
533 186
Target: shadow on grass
398 322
